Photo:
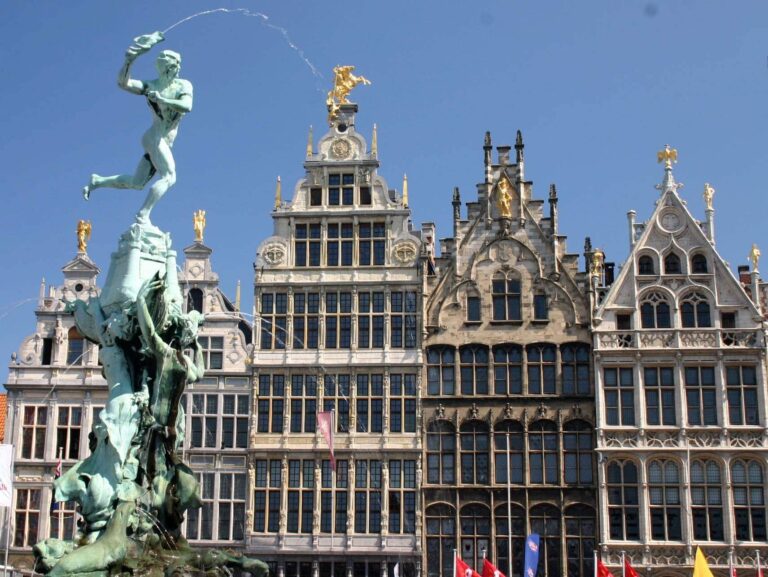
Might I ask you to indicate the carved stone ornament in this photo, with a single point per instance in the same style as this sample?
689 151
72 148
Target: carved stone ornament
274 253
341 148
507 411
670 220
404 252
474 412
440 412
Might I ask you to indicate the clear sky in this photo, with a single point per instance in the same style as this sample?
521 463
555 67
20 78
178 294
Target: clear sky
597 87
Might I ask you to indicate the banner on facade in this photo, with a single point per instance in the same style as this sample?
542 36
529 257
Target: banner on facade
6 475
325 426
531 555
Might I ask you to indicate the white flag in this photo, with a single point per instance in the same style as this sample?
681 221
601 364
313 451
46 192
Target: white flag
6 475
396 570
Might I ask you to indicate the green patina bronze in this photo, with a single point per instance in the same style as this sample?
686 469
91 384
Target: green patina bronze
133 489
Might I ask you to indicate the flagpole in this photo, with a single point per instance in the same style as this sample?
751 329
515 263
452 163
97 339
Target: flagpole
509 509
623 566
759 567
594 562
8 526
454 563
730 564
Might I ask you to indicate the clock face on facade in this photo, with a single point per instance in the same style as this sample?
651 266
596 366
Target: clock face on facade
341 148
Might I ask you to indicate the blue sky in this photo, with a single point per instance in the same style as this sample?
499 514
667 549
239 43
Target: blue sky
597 87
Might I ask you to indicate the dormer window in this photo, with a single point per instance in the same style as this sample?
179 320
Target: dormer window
195 300
645 265
672 264
699 264
316 197
506 298
341 189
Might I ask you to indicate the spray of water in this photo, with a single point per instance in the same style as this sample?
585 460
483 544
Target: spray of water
264 19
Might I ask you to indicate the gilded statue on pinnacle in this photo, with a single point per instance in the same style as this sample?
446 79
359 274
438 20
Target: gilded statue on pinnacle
343 83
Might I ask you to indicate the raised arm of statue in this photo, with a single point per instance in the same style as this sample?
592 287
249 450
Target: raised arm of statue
124 79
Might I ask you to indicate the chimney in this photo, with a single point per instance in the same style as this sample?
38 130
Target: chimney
744 277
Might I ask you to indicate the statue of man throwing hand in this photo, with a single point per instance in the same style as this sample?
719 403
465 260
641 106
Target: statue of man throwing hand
169 98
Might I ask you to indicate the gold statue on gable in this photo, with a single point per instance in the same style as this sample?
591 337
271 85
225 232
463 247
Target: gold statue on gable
709 194
83 234
754 256
504 197
198 222
667 156
343 83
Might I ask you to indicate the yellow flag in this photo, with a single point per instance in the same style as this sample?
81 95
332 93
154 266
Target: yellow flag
700 567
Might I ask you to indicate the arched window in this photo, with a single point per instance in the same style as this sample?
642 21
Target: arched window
195 300
508 369
545 520
506 298
577 445
664 500
623 501
441 539
748 486
515 469
474 370
503 516
580 540
75 347
575 367
441 453
474 453
475 523
699 264
654 312
645 265
541 369
543 450
707 501
440 371
694 311
672 264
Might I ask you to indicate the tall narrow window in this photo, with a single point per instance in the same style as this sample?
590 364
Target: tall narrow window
64 520
213 352
266 496
68 433
474 453
338 320
195 300
402 496
371 243
510 563
234 421
699 264
623 501
618 388
664 499
475 534
47 351
542 452
577 445
441 539
306 308
540 307
75 347
403 319
367 496
402 403
575 367
204 414
271 403
370 402
200 521
655 312
512 468
303 403
695 312
748 489
659 395
645 265
672 264
473 309
336 398
474 370
307 245
370 320
231 505
707 501
506 298
441 453
742 395
274 320
334 496
300 495
508 369
33 430
541 369
545 520
701 395
27 513
580 540
339 244
440 370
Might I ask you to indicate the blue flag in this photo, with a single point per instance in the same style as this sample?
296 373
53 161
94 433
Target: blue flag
531 555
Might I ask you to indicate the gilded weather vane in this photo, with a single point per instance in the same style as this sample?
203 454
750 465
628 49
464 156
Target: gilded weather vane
198 222
83 234
667 156
343 83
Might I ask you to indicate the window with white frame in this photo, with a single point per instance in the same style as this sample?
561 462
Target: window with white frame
748 486
402 496
370 320
707 501
334 497
339 246
301 494
68 426
403 319
441 378
338 320
306 314
213 352
204 416
371 243
619 393
370 403
274 320
27 517
402 403
664 500
234 421
200 521
623 500
64 519
307 245
367 496
659 395
271 404
33 429
266 496
695 311
231 506
741 387
303 403
336 398
701 395
655 312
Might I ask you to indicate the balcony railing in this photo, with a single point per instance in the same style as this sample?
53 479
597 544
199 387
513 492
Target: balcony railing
680 338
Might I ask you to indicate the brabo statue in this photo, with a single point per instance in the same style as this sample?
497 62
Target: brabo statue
169 98
133 490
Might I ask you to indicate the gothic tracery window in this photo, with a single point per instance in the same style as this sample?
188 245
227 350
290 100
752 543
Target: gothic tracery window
655 312
695 311
474 453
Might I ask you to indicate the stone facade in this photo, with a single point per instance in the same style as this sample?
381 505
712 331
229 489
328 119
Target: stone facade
680 368
337 306
507 315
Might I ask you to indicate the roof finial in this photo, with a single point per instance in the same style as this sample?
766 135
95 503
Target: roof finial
237 296
668 156
83 235
309 142
405 190
375 142
198 224
519 146
278 194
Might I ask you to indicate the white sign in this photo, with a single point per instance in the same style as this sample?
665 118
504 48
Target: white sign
6 475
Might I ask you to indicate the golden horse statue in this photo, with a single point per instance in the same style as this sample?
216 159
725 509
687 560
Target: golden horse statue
343 83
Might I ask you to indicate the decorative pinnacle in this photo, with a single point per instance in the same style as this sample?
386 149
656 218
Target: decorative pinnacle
237 296
83 235
278 194
309 142
198 224
375 142
405 190
754 256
